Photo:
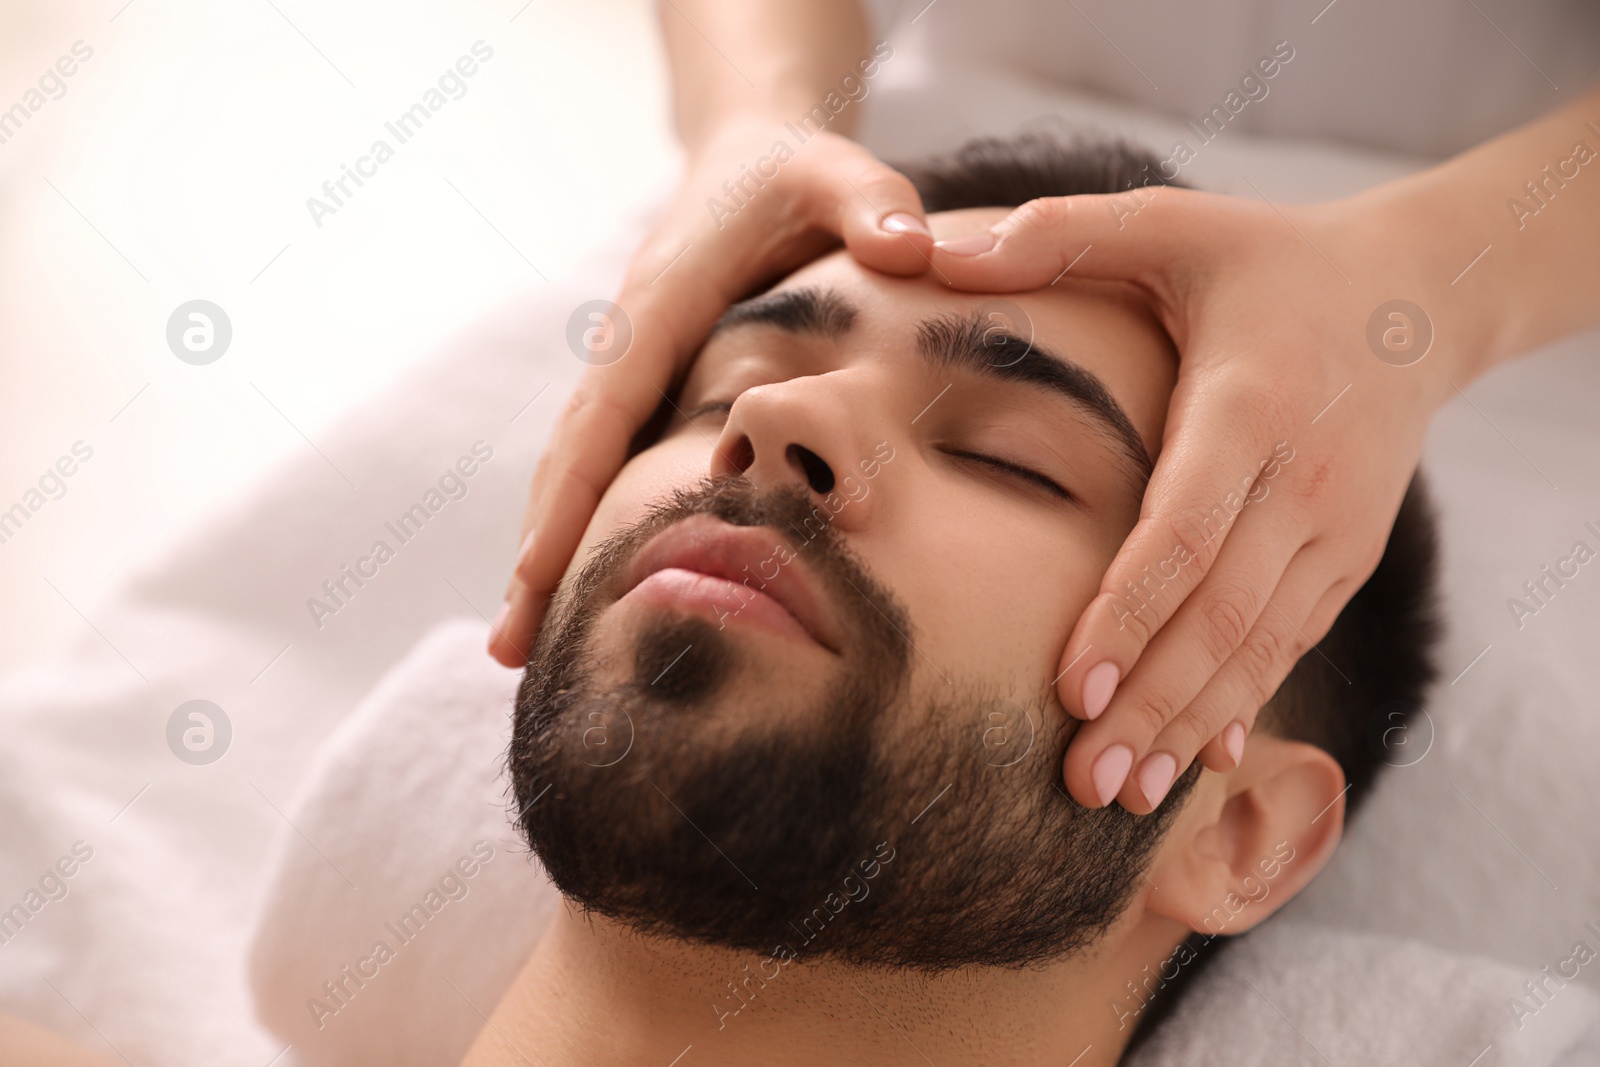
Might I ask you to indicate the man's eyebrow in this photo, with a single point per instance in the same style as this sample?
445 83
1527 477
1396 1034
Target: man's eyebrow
822 312
972 344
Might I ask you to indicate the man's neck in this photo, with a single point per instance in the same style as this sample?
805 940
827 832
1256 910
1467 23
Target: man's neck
595 993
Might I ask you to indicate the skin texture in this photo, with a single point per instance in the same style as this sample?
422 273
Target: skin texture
965 549
1269 305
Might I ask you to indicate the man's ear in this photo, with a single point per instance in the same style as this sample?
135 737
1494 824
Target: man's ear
1250 839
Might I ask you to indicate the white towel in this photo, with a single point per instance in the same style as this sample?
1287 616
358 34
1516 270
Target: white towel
404 790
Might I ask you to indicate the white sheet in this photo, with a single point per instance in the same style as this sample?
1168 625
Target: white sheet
1484 848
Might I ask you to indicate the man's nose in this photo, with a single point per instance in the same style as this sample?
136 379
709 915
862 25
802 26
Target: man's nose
801 432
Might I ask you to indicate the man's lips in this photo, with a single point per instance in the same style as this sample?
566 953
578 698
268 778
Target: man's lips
732 572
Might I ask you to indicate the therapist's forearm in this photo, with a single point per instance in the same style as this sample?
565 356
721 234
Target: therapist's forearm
766 58
1539 279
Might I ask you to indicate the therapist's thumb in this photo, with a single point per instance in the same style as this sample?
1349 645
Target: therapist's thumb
1141 235
881 219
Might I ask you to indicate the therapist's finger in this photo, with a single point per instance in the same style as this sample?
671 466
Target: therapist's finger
1148 714
1286 632
1088 236
1238 686
1273 646
1203 479
586 449
590 440
880 217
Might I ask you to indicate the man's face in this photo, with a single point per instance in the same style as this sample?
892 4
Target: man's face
817 623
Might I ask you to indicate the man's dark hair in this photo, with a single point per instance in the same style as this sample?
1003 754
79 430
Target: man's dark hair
1010 171
1354 693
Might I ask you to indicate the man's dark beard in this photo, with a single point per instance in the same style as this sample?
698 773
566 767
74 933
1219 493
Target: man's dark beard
752 828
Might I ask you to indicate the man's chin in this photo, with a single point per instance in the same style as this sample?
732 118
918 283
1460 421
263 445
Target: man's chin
645 809
679 659
687 662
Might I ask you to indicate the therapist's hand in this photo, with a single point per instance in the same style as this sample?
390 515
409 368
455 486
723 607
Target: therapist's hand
682 278
1287 449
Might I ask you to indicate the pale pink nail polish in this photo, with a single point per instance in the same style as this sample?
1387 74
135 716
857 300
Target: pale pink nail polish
1110 771
498 626
1156 775
904 222
971 245
526 549
1098 685
1233 741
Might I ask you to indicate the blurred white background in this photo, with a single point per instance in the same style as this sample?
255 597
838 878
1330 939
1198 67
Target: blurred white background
177 166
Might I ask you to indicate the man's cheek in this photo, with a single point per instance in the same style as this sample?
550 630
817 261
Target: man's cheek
1024 587
645 480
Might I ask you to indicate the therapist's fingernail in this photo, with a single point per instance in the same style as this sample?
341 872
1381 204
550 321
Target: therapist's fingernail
1110 771
1156 775
524 552
1098 685
1233 741
971 245
498 627
904 222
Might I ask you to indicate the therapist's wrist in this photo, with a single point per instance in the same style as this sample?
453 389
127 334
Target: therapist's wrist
1417 248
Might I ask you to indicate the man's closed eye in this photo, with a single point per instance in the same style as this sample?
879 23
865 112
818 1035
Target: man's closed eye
1013 470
